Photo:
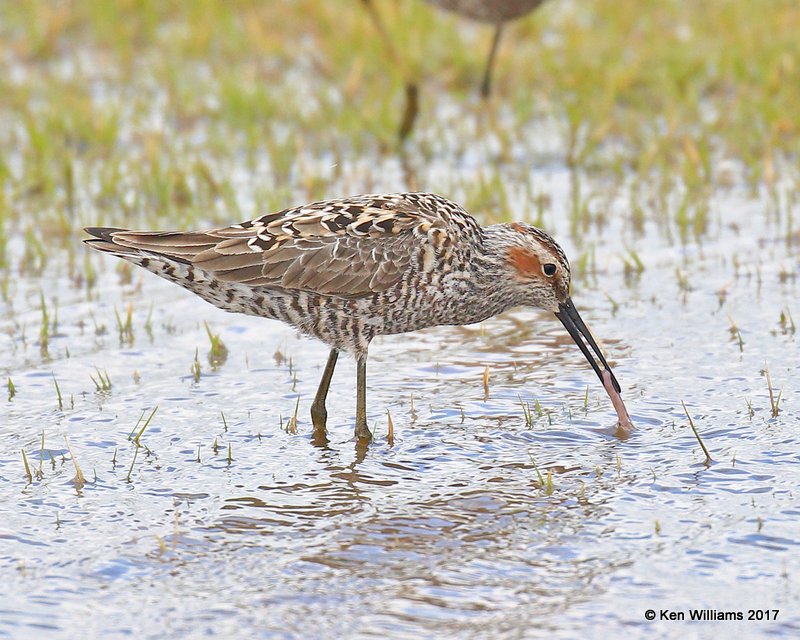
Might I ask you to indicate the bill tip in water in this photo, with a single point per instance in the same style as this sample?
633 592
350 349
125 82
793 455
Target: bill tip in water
624 424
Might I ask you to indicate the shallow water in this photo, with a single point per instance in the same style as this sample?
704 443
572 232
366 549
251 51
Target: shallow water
449 531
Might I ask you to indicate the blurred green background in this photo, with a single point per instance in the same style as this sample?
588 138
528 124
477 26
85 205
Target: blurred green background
185 113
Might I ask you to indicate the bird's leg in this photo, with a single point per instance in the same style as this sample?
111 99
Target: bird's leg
411 108
362 430
410 111
486 85
319 415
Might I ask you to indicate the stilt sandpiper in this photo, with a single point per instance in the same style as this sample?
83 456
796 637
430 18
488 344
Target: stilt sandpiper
346 271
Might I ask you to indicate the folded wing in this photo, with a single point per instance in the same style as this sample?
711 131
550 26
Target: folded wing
353 247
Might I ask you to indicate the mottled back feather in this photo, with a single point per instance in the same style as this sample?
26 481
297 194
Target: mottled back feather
353 246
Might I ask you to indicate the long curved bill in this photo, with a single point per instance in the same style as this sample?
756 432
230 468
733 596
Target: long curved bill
577 328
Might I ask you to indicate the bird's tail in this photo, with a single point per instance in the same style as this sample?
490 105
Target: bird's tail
170 255
131 245
103 240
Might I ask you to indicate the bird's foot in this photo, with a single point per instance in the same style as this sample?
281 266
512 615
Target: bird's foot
319 416
362 432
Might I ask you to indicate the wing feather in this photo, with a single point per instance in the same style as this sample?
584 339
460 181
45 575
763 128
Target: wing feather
352 247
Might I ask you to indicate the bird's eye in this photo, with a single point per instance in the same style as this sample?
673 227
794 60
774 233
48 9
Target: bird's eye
549 269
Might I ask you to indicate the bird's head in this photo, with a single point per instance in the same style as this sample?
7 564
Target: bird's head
539 272
537 267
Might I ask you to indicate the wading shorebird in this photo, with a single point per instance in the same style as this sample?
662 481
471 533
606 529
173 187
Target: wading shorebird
495 12
345 271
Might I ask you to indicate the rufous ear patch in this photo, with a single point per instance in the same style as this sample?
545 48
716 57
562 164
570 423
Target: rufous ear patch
526 263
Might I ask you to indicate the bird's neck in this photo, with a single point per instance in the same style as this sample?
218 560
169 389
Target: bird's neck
491 260
492 288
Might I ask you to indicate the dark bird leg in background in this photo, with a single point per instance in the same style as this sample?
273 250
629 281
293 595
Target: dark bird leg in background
319 414
362 430
411 108
409 112
486 85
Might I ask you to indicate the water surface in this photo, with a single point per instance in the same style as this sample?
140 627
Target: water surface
447 531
